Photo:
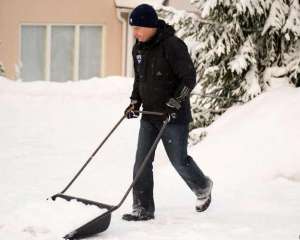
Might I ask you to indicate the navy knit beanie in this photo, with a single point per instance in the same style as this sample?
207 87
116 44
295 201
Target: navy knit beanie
143 15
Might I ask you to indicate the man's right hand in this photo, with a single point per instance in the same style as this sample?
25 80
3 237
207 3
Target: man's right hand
130 111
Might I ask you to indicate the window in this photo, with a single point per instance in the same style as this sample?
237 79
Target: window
33 52
89 64
61 52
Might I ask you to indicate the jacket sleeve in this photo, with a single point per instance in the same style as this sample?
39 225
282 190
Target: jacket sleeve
135 96
182 66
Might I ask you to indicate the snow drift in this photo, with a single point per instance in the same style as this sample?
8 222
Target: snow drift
48 130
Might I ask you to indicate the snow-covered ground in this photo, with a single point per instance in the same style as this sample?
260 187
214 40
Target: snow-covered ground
48 130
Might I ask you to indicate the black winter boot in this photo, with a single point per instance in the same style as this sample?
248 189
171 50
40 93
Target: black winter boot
204 196
203 204
139 214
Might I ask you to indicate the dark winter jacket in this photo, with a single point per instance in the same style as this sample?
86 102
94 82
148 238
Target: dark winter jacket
163 70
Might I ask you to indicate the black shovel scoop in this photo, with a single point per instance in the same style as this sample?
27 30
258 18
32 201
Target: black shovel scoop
101 223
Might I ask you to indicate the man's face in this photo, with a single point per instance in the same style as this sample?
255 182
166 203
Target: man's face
143 34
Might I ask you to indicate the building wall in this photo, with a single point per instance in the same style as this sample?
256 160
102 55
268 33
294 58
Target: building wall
13 13
182 5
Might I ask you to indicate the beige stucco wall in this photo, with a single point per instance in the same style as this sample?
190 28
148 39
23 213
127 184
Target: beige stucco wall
182 5
13 13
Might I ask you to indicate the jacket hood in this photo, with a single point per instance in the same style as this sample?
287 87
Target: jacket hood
165 30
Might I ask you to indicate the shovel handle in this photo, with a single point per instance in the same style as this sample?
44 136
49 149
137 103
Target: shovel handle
102 143
151 113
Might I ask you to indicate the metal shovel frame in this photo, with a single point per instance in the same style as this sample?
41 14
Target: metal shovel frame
101 223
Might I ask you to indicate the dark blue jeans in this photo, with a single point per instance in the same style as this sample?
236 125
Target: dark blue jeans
175 140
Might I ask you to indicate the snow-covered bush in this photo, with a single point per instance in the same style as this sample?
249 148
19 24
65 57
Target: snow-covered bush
2 72
233 44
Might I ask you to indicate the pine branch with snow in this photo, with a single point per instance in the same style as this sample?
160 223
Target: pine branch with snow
292 25
277 16
291 60
244 57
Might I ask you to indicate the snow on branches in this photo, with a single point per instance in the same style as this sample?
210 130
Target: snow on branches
233 43
277 16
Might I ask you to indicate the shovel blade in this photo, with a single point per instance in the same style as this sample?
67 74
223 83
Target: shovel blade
97 225
82 200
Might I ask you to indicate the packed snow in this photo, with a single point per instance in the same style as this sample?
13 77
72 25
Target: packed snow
48 131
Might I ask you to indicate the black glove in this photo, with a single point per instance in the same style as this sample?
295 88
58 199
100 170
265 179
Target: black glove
130 110
173 107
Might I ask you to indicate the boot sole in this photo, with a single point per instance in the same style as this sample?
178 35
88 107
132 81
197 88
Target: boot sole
130 217
204 206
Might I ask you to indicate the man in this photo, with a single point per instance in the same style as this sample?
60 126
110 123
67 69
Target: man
164 78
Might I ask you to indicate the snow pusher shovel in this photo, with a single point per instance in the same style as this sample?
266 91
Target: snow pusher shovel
101 223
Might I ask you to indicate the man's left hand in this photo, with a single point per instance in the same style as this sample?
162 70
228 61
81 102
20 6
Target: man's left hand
173 107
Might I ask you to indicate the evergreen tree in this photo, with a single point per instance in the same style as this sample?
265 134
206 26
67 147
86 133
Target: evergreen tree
237 47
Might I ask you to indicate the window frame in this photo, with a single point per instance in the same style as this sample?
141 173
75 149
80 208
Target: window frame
76 49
